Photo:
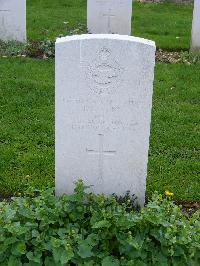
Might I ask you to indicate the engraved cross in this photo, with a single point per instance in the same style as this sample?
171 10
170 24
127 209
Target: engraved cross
102 2
109 17
4 10
2 18
101 153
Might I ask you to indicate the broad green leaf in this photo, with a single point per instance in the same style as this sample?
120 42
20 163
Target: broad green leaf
66 256
20 248
85 251
34 257
49 262
101 224
110 261
13 261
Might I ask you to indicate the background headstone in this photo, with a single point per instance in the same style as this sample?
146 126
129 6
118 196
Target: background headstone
104 87
195 42
109 16
13 20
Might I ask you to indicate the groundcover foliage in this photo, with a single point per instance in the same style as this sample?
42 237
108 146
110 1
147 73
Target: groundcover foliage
89 229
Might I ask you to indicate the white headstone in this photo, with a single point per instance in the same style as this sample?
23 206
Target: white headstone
13 20
195 42
109 16
104 89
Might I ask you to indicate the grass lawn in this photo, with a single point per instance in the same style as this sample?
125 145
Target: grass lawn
26 124
27 128
167 24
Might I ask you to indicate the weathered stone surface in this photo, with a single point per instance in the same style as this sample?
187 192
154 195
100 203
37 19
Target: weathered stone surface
109 16
104 87
13 20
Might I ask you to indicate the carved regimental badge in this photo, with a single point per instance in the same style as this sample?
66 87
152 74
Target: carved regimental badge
104 73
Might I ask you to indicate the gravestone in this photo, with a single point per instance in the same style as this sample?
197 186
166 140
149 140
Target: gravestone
104 86
13 20
109 16
195 42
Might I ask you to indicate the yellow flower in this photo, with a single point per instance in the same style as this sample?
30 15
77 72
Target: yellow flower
169 194
19 194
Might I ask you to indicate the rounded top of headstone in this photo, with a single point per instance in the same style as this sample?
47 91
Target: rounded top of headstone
105 37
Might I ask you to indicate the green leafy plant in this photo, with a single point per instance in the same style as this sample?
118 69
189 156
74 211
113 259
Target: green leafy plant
37 49
88 229
12 48
41 49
